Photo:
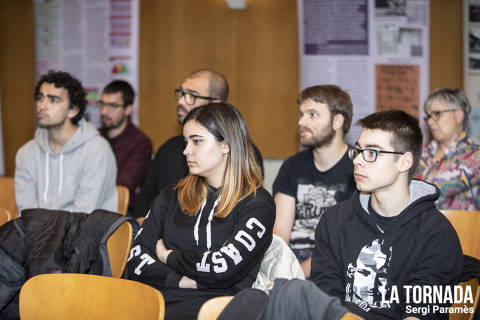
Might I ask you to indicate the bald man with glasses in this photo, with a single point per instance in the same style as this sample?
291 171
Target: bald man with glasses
169 165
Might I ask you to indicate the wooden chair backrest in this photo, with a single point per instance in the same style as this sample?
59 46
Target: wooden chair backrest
466 224
4 216
212 308
82 296
123 199
351 316
7 196
118 245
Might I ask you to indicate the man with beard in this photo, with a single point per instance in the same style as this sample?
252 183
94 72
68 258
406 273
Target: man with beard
319 177
169 165
132 148
68 165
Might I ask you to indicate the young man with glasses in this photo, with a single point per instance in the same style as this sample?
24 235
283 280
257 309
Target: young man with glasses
132 148
451 160
68 165
389 235
319 177
169 165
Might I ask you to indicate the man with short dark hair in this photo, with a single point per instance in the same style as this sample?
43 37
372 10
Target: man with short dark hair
317 178
132 148
169 165
68 165
389 235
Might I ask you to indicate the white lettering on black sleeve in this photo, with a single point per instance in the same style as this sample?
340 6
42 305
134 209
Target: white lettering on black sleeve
219 263
204 266
252 221
245 239
138 233
232 252
146 259
134 252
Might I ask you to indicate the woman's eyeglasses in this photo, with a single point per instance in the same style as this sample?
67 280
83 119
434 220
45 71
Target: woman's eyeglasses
435 115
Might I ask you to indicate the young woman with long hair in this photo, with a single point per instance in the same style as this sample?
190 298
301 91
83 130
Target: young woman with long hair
206 236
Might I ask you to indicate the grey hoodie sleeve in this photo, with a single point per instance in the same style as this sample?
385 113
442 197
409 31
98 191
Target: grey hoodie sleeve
97 183
25 179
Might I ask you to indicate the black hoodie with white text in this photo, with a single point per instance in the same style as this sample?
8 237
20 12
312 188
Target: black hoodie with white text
222 255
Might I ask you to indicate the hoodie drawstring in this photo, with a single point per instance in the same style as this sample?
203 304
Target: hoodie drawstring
209 224
195 229
60 184
47 176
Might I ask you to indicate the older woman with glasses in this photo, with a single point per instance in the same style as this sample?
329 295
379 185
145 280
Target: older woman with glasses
451 160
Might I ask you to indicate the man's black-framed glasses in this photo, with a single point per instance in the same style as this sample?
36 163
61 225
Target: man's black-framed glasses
101 104
189 97
369 155
435 115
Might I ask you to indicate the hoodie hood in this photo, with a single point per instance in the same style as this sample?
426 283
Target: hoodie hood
422 197
85 132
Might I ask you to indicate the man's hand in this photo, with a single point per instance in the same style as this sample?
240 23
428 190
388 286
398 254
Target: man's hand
162 251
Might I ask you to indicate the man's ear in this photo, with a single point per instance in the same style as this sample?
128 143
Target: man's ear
337 122
72 112
405 162
128 109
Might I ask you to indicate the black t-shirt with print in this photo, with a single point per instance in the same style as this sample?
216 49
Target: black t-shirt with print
314 191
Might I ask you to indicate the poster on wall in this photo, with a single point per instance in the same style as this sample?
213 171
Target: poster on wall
376 50
95 41
471 25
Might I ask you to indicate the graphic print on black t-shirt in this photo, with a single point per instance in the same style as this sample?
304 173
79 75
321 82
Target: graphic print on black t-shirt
314 192
312 202
367 277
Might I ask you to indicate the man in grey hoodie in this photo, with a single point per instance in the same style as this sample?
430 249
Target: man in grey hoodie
68 165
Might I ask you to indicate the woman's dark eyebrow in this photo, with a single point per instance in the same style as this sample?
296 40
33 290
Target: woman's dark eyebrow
192 136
